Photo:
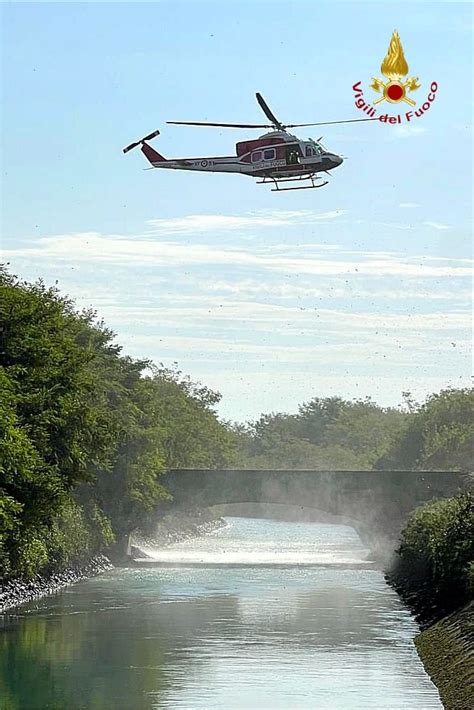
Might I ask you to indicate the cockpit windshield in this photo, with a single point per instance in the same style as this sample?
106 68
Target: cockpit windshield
317 146
314 148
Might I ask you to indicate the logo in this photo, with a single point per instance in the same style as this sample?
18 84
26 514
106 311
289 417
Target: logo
394 67
395 88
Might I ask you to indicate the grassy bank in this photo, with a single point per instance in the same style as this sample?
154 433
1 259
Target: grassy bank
447 651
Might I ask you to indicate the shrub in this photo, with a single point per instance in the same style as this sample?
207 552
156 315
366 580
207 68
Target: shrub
31 554
435 558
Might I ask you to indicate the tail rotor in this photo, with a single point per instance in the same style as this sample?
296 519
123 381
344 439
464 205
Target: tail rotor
141 141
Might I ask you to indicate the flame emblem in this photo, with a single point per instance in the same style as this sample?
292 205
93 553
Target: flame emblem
394 67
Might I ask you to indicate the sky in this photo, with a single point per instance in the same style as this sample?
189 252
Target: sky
361 288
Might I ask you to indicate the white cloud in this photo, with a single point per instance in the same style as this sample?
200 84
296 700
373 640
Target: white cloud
437 225
321 246
391 225
224 310
93 247
396 225
190 224
269 316
354 292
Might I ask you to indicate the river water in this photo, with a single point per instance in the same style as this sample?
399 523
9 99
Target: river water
260 614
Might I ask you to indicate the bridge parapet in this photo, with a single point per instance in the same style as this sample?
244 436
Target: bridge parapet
306 487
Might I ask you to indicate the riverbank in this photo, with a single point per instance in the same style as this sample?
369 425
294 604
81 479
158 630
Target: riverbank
447 651
433 574
19 591
445 646
172 527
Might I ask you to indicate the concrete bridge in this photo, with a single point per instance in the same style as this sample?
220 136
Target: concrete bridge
376 503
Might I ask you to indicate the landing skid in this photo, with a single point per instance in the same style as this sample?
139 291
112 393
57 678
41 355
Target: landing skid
276 181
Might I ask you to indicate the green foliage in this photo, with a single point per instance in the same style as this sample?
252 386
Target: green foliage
435 557
332 433
85 432
46 350
470 580
438 435
68 536
9 524
327 433
30 552
191 435
448 430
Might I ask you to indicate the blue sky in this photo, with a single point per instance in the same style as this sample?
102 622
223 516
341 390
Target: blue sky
360 288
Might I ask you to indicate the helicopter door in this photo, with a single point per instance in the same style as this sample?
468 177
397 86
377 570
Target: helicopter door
292 157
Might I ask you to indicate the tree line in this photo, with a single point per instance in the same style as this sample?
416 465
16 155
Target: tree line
333 433
86 431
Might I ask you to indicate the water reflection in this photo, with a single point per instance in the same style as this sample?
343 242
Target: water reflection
217 637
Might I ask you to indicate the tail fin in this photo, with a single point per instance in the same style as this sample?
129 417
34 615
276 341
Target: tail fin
151 154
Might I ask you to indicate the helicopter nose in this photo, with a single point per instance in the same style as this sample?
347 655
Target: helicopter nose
332 160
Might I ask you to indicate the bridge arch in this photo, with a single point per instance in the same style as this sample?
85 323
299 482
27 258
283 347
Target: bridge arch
377 503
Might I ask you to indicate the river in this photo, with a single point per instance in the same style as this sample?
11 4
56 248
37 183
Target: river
259 614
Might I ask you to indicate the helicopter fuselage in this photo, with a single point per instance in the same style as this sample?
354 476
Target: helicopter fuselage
273 155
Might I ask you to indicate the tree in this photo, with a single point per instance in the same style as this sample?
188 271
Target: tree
326 433
85 431
435 556
439 435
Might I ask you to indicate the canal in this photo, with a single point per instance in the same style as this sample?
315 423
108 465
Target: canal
259 614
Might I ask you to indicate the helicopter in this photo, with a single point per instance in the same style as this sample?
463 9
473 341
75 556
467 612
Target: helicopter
274 158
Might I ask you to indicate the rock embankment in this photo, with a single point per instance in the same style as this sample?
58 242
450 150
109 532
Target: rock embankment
19 591
445 644
172 527
447 651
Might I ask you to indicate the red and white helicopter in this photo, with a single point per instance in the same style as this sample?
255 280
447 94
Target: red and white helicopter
274 157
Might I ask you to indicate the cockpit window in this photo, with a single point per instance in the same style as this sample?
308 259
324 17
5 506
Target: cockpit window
313 150
318 148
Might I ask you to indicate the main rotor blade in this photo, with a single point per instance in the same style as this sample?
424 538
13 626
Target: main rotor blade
268 113
275 124
221 125
329 123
